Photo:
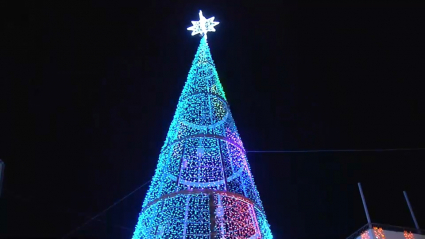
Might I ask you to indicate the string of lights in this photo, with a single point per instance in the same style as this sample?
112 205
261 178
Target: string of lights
379 233
408 235
365 235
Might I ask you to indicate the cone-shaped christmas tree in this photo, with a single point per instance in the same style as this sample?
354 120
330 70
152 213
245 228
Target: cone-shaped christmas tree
202 187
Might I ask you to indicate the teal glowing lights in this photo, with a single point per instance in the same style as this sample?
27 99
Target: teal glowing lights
202 187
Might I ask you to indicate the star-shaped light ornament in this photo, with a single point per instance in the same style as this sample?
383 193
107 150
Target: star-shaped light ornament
203 25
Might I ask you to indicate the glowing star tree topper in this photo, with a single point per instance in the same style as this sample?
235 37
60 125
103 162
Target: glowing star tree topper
203 26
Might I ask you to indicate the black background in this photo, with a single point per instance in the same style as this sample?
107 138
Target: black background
89 88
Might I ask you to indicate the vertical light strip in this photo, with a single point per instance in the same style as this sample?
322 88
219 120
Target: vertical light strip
220 212
186 213
181 165
255 221
222 164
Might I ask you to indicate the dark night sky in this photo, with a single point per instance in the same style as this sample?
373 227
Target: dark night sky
88 90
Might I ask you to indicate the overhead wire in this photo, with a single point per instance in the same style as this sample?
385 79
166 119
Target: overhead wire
59 209
105 210
333 150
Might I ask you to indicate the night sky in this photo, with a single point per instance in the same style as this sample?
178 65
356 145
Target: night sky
88 90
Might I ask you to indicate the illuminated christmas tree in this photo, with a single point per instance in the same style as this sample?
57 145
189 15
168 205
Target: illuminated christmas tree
202 187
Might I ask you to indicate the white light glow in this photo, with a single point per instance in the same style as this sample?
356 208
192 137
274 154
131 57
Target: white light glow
203 26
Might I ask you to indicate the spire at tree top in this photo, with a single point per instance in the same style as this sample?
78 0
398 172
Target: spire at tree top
203 26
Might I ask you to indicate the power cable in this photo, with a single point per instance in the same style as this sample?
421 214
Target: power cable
63 210
102 212
333 150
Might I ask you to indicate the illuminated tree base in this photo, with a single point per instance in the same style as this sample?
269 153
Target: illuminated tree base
201 213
